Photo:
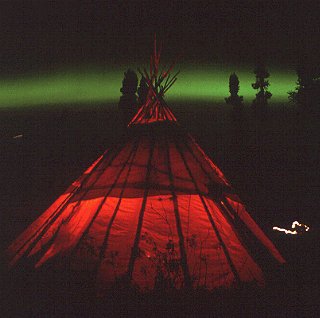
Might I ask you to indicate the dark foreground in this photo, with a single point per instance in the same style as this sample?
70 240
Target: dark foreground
273 162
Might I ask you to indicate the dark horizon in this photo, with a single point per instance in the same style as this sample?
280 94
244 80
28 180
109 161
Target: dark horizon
45 36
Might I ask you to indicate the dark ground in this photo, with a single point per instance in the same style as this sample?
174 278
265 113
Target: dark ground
273 163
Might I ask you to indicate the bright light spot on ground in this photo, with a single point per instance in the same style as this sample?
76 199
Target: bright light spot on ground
17 136
297 228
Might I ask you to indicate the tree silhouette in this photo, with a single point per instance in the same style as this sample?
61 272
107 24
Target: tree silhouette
307 91
142 91
261 84
128 101
234 99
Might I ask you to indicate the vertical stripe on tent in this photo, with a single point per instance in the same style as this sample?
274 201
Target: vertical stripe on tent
233 218
241 229
217 171
106 237
61 208
184 262
258 237
76 206
228 211
247 267
201 165
135 248
131 156
232 267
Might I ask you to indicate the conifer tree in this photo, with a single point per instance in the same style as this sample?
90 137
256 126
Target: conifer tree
128 101
307 91
261 84
142 91
234 99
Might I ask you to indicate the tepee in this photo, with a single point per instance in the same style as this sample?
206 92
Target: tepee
153 211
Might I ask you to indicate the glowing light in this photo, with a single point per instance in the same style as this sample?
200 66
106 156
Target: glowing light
275 228
88 87
297 228
95 86
211 82
17 136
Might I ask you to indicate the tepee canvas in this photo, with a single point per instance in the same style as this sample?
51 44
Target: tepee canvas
153 211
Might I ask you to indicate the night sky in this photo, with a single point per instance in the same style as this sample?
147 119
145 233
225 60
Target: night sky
42 37
46 35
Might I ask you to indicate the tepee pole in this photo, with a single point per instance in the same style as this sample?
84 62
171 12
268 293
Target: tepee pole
225 250
135 248
131 155
184 262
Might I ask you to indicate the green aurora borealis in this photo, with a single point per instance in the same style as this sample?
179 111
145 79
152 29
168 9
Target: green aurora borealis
94 86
